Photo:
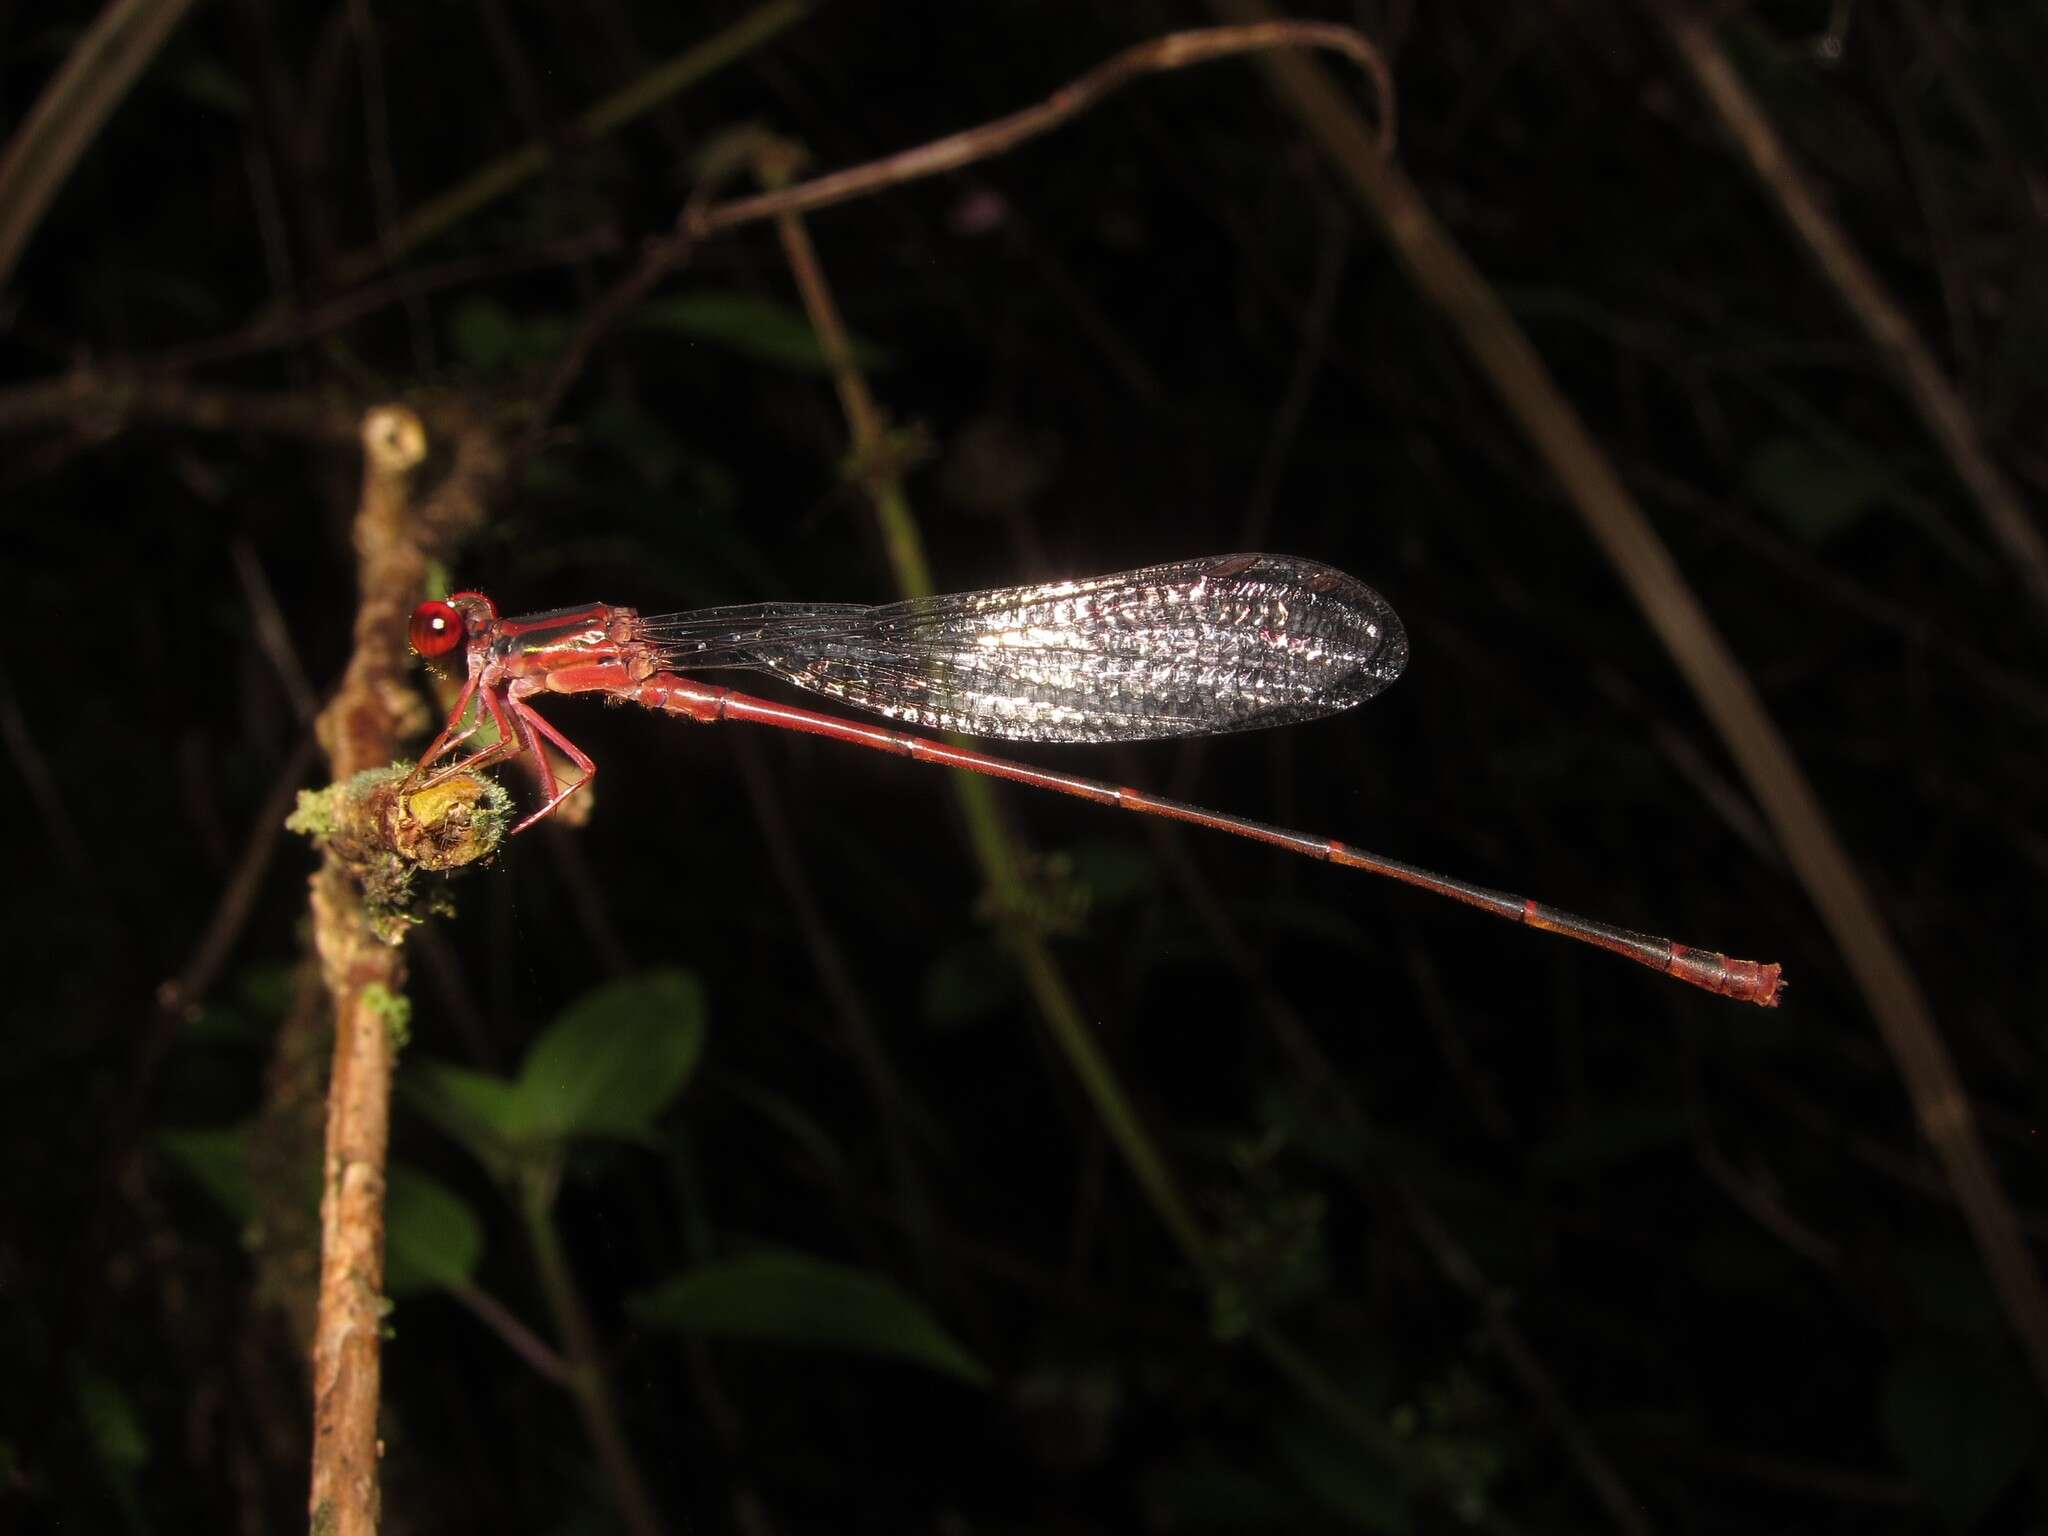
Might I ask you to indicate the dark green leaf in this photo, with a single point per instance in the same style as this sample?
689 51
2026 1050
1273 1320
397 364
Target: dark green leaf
768 332
611 1064
1963 1425
489 338
1606 1140
643 441
488 1115
1203 1492
1114 874
208 81
966 984
1950 1290
484 335
217 1161
111 1421
1343 1479
432 1238
1815 493
794 1299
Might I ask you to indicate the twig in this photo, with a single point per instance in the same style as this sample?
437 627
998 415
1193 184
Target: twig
274 328
1931 192
103 402
1457 1266
1324 1093
584 1375
74 106
34 769
1442 272
272 632
1301 384
615 111
659 260
842 993
1285 428
179 996
382 167
520 1339
1176 50
1882 317
1915 629
360 730
876 461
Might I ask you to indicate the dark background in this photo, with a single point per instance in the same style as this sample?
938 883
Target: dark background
1717 1229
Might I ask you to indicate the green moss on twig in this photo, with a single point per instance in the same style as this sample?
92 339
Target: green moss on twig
394 1008
385 839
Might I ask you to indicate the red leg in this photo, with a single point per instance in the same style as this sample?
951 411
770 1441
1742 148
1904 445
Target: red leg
530 717
510 742
450 737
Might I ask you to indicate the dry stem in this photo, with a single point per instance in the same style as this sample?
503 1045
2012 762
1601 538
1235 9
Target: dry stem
72 109
1441 271
361 730
1883 319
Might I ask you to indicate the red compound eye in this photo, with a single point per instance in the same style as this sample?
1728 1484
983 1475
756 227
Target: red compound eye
435 630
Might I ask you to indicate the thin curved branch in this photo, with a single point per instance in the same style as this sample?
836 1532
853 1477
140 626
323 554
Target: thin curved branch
1176 50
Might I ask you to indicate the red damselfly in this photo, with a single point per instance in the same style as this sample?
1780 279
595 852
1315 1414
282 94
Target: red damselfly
1197 648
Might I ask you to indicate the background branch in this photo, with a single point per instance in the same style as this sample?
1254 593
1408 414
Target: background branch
1640 558
1883 319
96 74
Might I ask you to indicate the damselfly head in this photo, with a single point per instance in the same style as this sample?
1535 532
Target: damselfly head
435 629
439 628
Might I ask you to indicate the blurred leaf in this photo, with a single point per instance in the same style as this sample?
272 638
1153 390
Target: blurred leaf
1342 1478
268 990
432 1238
487 1114
111 1422
484 335
1268 1252
1115 874
1204 1492
1814 493
643 442
967 984
1300 919
1951 1291
757 328
1605 1140
794 1299
610 1065
187 298
1739 1261
218 1162
206 80
1963 1425
606 1067
489 338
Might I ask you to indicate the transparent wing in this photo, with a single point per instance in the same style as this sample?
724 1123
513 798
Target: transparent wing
1196 648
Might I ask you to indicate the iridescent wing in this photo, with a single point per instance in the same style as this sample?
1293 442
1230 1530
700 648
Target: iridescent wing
1196 648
